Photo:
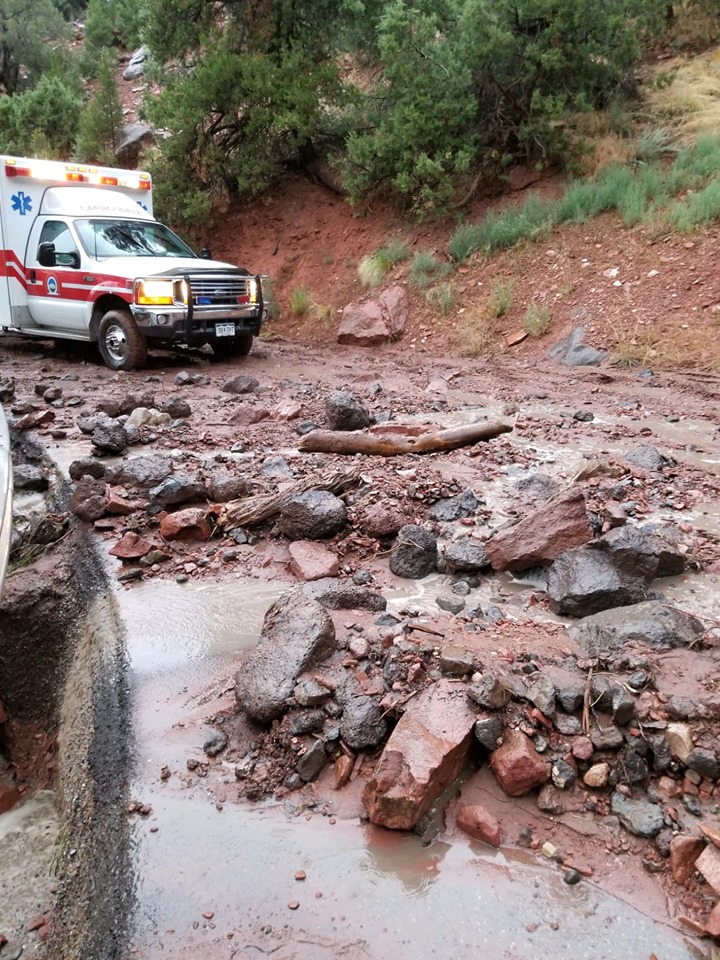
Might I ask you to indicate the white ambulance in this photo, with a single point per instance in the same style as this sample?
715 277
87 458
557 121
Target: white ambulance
82 258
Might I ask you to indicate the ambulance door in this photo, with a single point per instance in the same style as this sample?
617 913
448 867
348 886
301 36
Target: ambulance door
56 295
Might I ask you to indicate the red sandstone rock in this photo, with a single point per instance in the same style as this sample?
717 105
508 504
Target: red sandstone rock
708 863
342 769
312 561
478 822
118 506
556 526
376 321
712 926
9 796
247 415
684 851
190 524
131 547
426 751
518 766
712 833
286 410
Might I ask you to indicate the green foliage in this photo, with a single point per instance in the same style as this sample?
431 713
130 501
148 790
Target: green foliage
467 84
300 301
501 297
41 122
101 123
537 319
425 270
697 210
26 27
109 23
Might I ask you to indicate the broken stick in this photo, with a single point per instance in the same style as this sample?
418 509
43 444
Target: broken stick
337 441
252 511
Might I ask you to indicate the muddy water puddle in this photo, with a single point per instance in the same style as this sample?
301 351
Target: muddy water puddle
369 894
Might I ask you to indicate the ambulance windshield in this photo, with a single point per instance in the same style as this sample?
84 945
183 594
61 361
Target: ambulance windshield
129 238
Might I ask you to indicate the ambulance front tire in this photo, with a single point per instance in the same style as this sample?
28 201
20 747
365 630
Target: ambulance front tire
121 344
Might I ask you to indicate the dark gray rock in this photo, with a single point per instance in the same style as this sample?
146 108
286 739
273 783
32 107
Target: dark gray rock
567 725
571 352
87 467
563 775
313 515
633 767
310 693
541 692
414 554
276 467
651 623
610 738
362 725
131 401
176 489
29 478
646 457
643 552
136 137
489 732
240 384
306 721
140 471
312 762
489 692
7 389
584 416
454 508
704 762
345 412
109 437
221 486
450 604
583 581
215 744
570 695
297 632
176 407
537 486
456 661
344 595
466 555
639 817
623 705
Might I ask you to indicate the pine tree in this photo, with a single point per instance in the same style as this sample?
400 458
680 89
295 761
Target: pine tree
101 124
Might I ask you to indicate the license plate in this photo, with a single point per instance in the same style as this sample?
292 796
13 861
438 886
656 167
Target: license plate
224 329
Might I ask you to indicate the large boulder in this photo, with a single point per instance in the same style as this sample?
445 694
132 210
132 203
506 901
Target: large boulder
313 515
139 471
572 352
297 632
370 323
466 555
362 725
455 508
651 623
643 552
557 526
336 594
426 751
584 581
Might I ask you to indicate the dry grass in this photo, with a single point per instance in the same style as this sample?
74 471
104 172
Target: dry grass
670 349
316 323
608 149
477 333
694 26
684 93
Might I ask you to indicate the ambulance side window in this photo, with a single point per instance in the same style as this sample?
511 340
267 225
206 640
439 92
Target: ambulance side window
57 232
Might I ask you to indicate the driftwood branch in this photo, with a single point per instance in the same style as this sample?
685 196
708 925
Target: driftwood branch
332 441
251 511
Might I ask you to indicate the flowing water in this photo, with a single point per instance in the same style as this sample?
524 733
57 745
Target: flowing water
370 894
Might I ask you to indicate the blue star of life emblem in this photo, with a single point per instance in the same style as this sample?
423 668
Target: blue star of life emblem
21 203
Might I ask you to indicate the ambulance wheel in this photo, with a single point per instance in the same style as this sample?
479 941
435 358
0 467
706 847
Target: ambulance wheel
121 344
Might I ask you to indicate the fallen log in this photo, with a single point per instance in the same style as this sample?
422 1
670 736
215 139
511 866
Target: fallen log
251 511
338 441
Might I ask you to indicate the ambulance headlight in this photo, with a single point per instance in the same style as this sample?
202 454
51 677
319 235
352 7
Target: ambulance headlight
159 292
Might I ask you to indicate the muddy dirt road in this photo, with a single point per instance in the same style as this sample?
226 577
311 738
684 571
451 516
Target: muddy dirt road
216 838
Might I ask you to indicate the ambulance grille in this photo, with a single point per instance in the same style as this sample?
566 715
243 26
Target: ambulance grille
216 291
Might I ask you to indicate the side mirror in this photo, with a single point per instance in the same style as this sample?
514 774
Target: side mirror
46 255
206 254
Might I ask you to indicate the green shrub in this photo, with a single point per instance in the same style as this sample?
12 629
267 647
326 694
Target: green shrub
43 121
374 267
425 270
441 298
300 301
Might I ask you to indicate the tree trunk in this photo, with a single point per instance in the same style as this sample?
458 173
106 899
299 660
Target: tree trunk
331 441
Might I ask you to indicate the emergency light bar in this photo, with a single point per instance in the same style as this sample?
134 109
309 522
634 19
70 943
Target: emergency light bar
76 174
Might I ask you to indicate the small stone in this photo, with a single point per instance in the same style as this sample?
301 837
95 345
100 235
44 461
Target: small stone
563 775
293 905
453 604
215 744
300 875
456 661
597 776
684 851
480 823
549 850
489 731
571 877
